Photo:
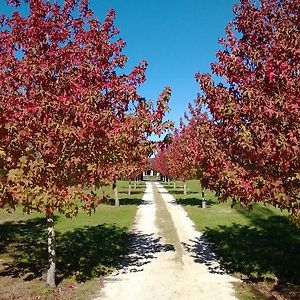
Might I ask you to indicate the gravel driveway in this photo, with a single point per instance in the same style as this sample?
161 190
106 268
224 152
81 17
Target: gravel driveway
169 259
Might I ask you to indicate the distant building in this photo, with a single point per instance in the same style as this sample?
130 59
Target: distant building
150 172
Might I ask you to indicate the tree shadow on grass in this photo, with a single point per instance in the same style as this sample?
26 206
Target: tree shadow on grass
85 253
269 248
89 252
125 201
194 202
130 201
24 242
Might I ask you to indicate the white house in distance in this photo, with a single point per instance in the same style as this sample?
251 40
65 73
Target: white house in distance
151 172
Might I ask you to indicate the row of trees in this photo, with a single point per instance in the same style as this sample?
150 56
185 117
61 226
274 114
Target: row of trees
241 138
71 120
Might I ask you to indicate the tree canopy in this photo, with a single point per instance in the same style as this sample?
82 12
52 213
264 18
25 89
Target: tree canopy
247 144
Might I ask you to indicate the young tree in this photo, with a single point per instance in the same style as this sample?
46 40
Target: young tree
130 138
179 159
159 163
191 148
62 97
254 114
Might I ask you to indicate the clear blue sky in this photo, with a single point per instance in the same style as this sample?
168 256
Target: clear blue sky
178 38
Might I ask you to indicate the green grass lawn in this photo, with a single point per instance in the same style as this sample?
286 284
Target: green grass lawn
260 245
216 213
87 246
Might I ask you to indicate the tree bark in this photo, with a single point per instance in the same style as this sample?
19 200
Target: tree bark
202 193
115 189
184 189
129 188
174 184
51 250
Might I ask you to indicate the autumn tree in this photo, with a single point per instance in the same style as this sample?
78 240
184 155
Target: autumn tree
131 146
254 110
63 97
190 148
179 160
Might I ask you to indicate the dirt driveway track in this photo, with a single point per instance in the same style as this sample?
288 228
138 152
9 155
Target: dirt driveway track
169 259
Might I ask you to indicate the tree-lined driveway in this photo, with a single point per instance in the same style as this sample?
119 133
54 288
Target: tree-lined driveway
169 260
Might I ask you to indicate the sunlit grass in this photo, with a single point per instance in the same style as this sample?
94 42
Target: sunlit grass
261 244
122 216
216 213
88 246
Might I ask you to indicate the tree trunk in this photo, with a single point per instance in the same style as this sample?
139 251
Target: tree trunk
184 189
51 250
202 193
129 188
134 186
174 184
115 189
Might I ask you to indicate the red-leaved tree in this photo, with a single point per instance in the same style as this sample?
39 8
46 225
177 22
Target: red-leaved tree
254 115
130 142
63 99
179 160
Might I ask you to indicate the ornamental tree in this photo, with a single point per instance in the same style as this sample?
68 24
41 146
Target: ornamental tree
179 160
191 148
254 114
63 97
159 162
211 162
131 146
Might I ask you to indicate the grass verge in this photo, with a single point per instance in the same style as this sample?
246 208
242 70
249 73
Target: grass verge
88 247
260 246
